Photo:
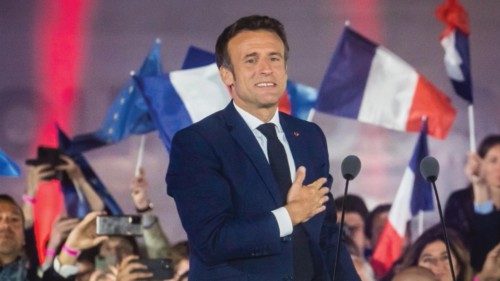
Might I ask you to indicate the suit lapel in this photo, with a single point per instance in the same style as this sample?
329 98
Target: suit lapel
297 144
294 141
240 131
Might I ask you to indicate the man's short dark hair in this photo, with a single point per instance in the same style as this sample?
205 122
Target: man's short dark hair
488 143
353 204
253 23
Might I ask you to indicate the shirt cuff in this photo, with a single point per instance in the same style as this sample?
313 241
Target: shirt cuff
284 221
65 270
483 208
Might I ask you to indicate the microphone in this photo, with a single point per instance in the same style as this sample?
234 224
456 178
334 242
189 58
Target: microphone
429 168
350 169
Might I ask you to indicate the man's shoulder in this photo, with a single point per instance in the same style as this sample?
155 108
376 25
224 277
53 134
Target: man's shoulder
210 124
295 122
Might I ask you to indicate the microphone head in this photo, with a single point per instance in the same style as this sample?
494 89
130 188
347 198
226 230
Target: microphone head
429 168
350 167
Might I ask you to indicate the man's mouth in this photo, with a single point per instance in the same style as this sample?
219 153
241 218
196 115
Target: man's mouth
265 84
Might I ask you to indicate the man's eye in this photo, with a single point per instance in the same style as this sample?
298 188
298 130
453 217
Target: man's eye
250 60
275 59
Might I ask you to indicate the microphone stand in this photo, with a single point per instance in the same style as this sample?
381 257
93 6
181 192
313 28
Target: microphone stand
340 229
444 231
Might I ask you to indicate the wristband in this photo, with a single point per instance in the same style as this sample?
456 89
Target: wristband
146 209
50 252
29 199
70 251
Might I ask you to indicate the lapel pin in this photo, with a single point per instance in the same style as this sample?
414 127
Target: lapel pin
296 134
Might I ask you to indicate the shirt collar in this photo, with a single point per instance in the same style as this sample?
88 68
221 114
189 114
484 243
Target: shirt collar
254 122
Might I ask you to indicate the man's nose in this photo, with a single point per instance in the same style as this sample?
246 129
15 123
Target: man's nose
265 67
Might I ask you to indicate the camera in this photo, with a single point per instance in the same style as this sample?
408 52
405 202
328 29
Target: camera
47 155
127 225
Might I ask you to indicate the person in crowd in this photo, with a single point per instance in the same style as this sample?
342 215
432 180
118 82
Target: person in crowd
155 239
475 211
375 224
429 251
15 262
415 273
355 217
248 212
38 173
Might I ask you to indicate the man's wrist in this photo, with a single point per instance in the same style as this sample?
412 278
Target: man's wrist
148 208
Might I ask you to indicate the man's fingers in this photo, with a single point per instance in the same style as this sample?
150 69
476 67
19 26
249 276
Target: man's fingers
318 183
300 175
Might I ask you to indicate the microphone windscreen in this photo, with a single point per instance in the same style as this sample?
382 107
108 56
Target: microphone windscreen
429 168
350 167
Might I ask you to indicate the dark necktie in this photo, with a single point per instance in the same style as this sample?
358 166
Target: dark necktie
277 158
302 260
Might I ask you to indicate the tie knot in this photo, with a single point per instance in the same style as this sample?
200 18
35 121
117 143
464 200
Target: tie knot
268 130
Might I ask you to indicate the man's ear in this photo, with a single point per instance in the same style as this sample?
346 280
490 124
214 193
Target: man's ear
227 76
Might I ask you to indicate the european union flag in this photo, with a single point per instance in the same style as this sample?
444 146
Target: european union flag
75 205
7 166
128 113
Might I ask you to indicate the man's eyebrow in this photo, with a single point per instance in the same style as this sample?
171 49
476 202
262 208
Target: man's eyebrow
254 54
276 54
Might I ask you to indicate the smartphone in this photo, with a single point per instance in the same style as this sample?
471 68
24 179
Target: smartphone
162 269
103 263
126 225
47 155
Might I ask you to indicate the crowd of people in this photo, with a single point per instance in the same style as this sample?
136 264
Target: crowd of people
75 252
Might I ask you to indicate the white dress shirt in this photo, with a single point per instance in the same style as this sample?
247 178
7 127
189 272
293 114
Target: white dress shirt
281 214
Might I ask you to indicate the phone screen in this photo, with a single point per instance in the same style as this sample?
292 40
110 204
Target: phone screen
119 225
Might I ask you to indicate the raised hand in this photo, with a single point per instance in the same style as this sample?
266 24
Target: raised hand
82 237
139 191
304 202
474 174
70 167
130 270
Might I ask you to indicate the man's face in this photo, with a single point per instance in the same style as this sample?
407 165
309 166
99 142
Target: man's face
257 78
11 230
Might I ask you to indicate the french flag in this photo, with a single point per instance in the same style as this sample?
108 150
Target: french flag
367 82
455 42
414 195
183 97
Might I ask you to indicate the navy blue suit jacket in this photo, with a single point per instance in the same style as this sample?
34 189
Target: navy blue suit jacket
225 191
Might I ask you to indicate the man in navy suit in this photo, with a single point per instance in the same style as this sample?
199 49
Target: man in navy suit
251 184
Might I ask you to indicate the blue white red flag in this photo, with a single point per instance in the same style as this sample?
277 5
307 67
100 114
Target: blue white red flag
414 195
367 82
455 41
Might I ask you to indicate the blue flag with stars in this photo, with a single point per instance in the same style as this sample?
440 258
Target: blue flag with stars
8 167
76 205
128 113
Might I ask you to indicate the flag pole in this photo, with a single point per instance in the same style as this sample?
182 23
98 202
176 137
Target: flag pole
472 133
311 115
420 222
140 155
